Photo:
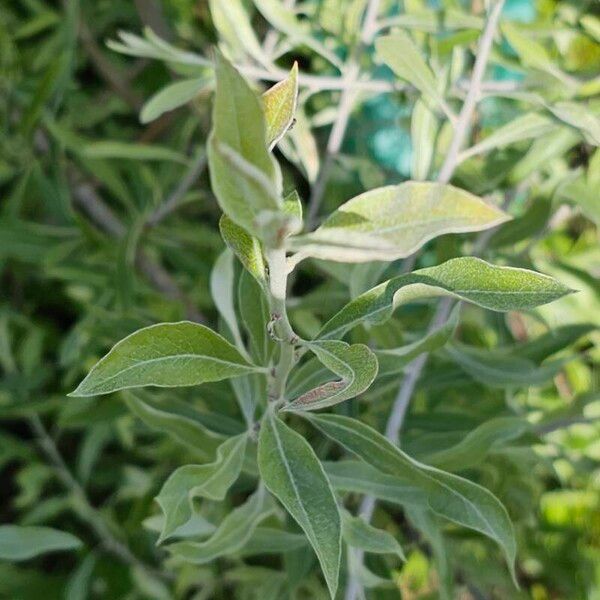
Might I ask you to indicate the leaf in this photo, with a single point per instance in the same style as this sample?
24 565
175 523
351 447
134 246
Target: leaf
165 355
210 481
222 281
497 369
580 117
232 534
394 360
244 175
182 428
23 543
356 365
423 126
245 247
233 24
279 103
394 221
267 540
475 446
360 534
171 97
292 472
254 311
130 151
449 496
524 127
402 55
470 279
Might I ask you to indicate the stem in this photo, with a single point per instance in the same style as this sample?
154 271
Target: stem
282 328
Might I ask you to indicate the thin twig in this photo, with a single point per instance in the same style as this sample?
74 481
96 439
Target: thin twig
348 97
84 508
414 370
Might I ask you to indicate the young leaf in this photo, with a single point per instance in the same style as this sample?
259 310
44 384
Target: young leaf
394 221
279 103
182 428
475 446
245 247
172 96
267 540
293 473
394 360
210 481
359 534
232 534
165 355
402 55
222 280
497 369
356 365
470 279
22 543
243 173
450 496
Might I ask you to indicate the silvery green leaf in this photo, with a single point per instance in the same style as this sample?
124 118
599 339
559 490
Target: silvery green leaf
394 221
395 359
183 428
528 126
210 481
232 534
196 526
279 103
361 478
356 366
470 279
171 97
293 473
222 282
580 117
360 534
423 128
499 369
245 247
449 496
300 147
268 540
254 311
131 151
232 21
22 543
476 445
292 205
403 56
165 355
244 175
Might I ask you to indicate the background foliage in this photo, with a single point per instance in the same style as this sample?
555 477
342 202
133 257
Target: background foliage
108 224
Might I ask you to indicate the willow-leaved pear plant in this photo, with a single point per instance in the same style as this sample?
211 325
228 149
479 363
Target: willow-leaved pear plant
281 378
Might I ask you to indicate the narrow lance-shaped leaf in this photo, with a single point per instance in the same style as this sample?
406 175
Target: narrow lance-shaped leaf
279 103
360 534
181 427
210 481
395 359
476 445
22 543
449 496
244 175
232 534
293 473
394 221
402 55
470 279
245 247
355 364
165 355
